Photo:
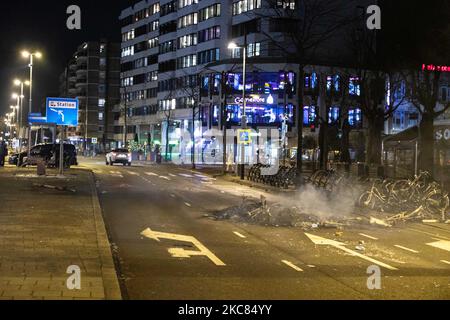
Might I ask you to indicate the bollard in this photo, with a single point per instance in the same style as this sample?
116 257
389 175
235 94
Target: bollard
41 168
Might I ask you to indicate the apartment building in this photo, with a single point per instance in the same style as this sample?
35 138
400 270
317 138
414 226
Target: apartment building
177 71
93 76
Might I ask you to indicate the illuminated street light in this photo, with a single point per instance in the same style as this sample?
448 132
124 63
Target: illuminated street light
20 112
27 54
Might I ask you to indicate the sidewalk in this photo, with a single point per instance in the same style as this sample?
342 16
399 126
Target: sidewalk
43 231
217 172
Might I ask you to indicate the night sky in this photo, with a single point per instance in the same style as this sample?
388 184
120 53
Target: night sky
410 27
41 25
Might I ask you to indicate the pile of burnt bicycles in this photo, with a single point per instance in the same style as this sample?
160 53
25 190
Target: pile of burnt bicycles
406 199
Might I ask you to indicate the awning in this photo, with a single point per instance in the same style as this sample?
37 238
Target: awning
409 135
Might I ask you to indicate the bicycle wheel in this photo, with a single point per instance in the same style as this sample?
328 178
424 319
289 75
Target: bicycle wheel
367 200
437 205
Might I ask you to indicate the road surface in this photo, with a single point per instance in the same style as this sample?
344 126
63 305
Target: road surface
168 248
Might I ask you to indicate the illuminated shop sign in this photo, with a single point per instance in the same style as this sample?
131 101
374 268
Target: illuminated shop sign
442 134
432 67
255 100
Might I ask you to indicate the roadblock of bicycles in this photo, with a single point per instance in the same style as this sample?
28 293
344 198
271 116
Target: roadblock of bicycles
283 178
418 198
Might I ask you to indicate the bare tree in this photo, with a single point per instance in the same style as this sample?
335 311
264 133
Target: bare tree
190 87
374 84
424 93
299 29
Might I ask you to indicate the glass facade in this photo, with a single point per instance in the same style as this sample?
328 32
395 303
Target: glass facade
257 114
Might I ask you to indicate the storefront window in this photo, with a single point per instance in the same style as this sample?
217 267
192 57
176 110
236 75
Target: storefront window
262 82
257 114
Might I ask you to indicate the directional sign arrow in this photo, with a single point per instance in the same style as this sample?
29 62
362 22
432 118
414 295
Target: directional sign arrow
441 244
181 253
341 246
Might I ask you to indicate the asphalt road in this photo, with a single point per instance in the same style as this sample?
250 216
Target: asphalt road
225 260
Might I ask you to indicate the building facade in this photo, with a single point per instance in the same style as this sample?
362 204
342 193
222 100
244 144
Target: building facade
93 76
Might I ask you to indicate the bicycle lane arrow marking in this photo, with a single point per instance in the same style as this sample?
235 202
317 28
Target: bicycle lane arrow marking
441 244
341 246
180 252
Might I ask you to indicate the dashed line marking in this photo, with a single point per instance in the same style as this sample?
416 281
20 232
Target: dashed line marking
151 174
291 265
172 195
172 175
133 173
445 261
186 175
406 249
188 204
165 178
367 236
239 235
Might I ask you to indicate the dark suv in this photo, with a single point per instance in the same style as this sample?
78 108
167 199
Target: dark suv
49 154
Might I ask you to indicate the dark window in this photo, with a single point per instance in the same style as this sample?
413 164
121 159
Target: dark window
168 27
252 26
140 31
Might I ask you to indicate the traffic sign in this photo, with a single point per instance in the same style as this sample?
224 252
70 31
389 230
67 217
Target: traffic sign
244 136
62 111
36 118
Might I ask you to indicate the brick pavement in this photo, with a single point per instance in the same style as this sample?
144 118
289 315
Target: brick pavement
44 231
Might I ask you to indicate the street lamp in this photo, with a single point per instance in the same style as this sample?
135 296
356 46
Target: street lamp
31 55
233 46
20 83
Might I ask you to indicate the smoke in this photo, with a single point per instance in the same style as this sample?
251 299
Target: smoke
325 204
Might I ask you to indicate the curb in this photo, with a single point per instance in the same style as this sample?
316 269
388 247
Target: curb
109 275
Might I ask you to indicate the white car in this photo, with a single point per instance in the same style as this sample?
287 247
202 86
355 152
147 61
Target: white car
122 156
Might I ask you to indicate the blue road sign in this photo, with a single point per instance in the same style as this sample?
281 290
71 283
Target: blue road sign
244 136
36 118
62 111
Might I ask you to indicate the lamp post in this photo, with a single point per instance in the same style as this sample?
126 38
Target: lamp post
232 46
31 56
20 113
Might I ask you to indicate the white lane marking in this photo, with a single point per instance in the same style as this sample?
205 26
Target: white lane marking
172 195
291 265
116 174
406 249
239 235
133 173
180 252
201 176
430 221
222 191
165 178
341 246
151 174
367 236
445 261
188 204
172 175
186 175
442 244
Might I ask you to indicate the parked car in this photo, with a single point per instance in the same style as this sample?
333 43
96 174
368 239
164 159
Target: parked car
122 156
13 159
49 154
